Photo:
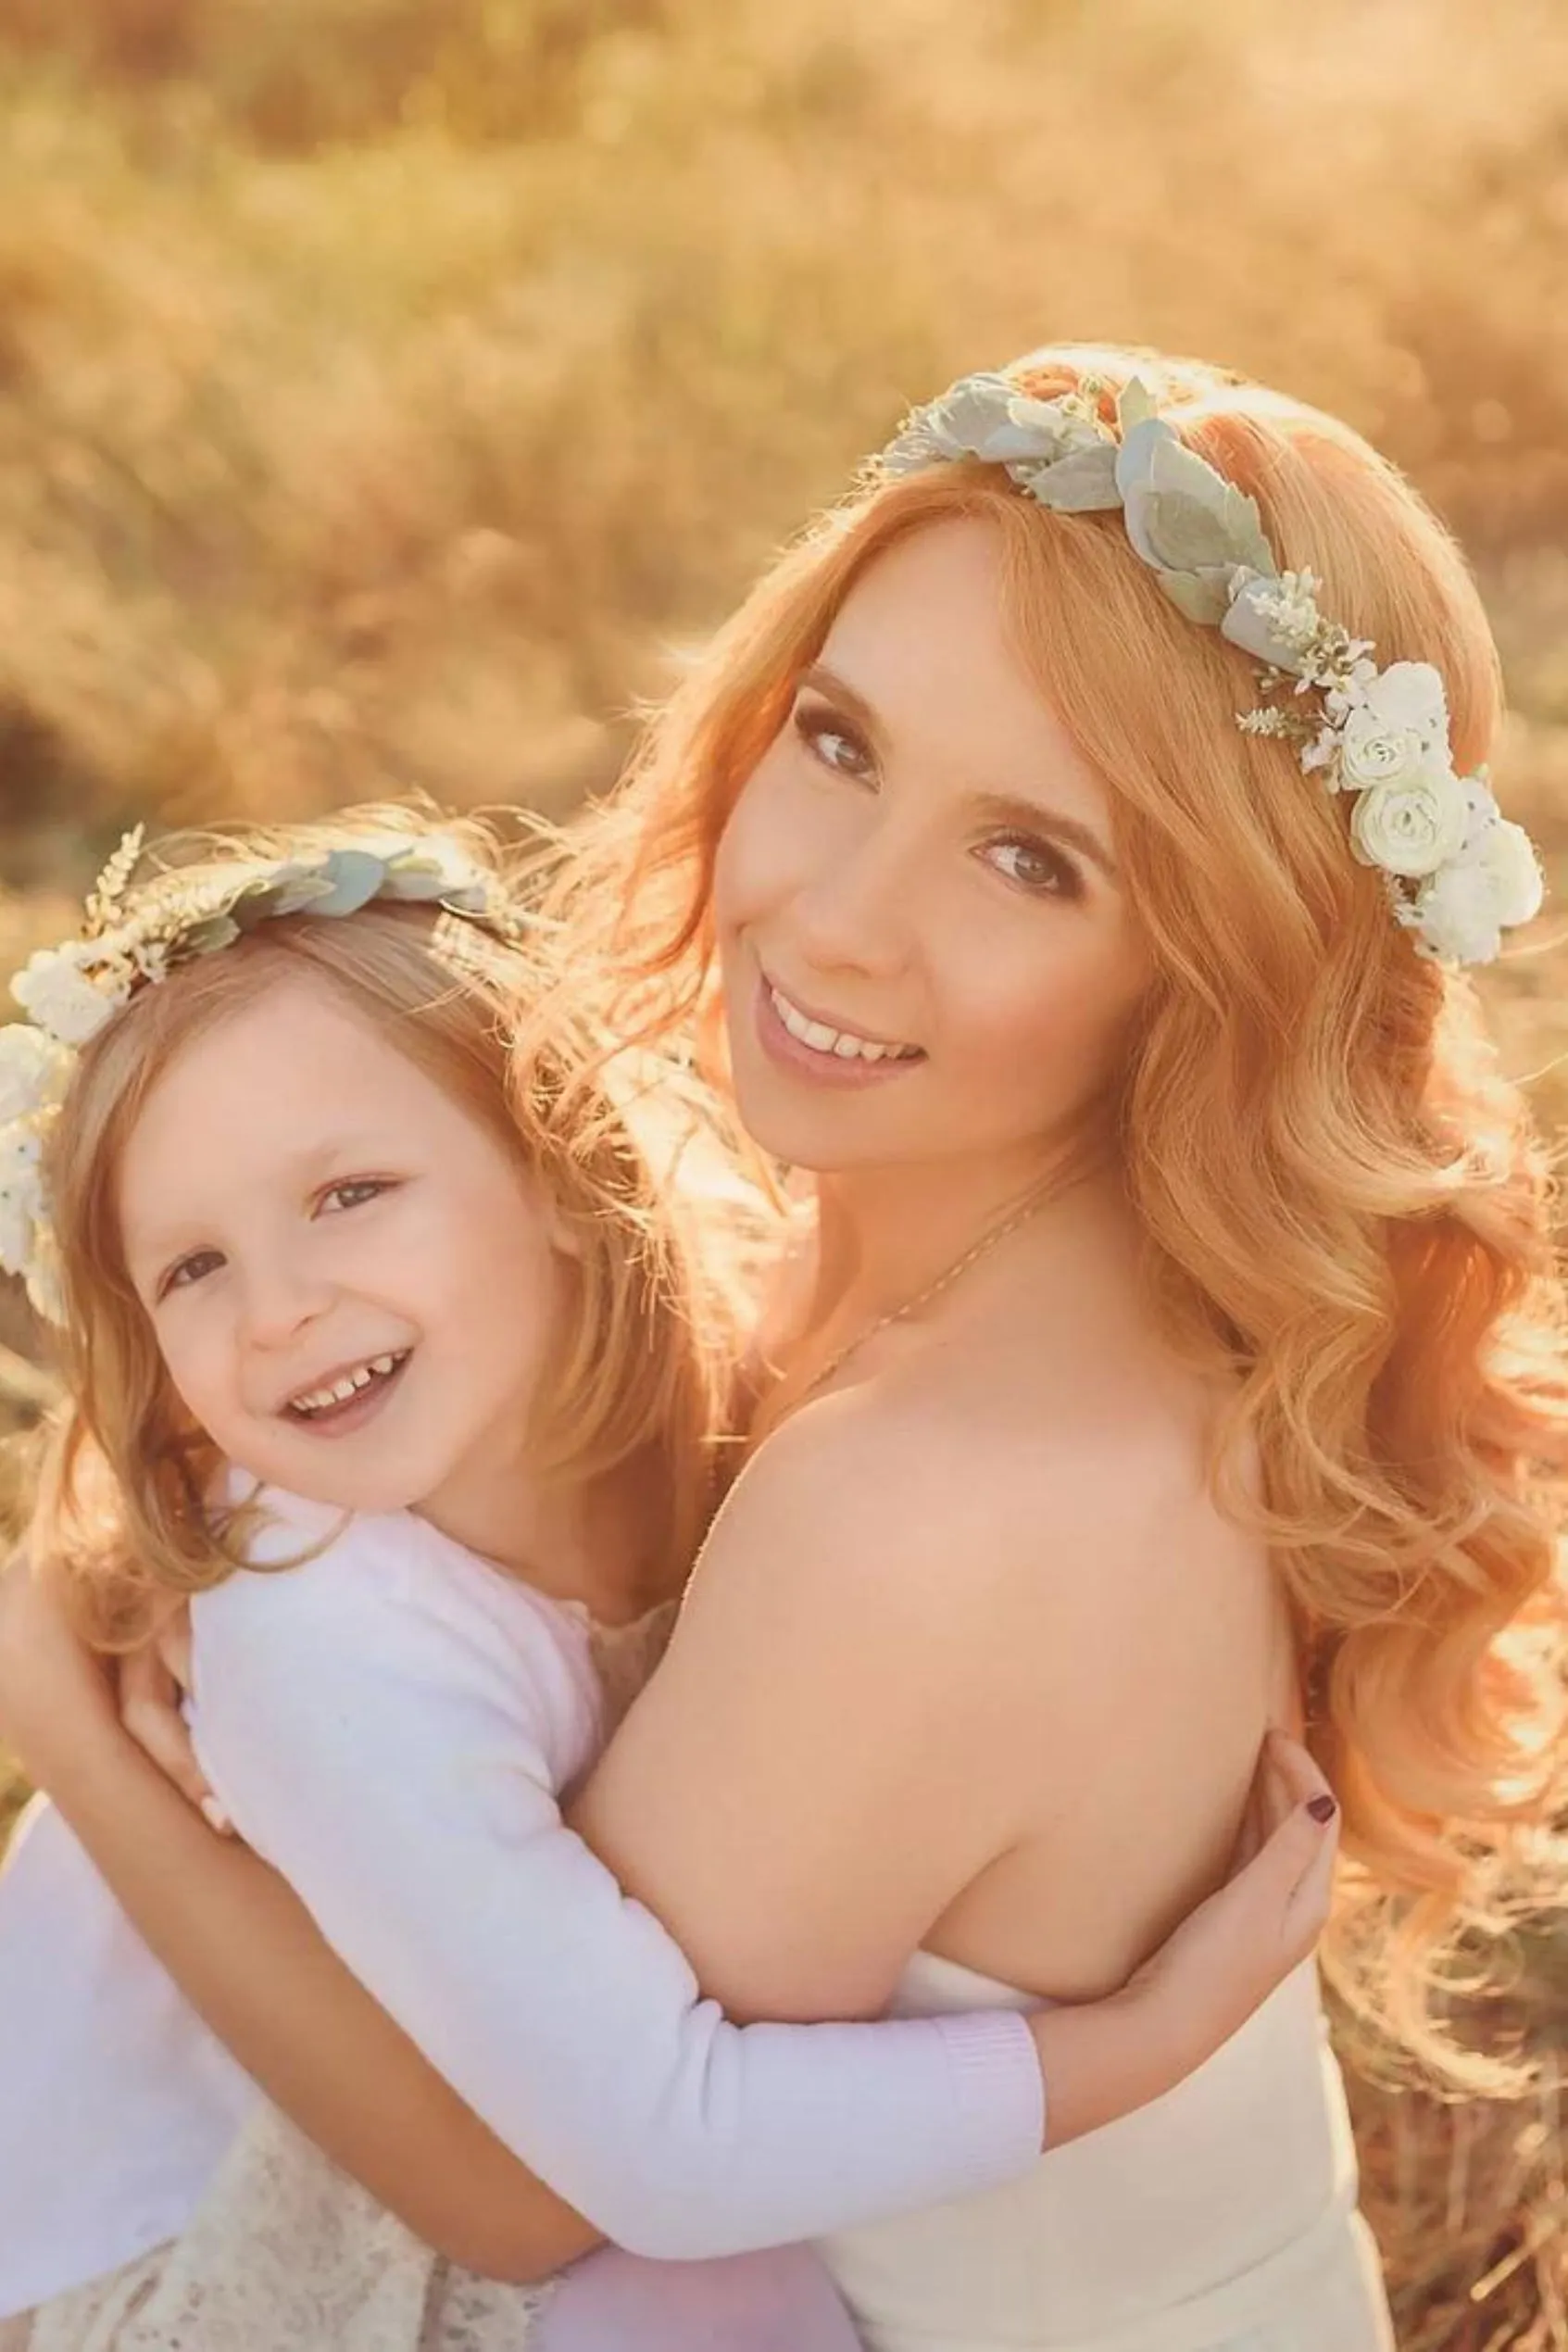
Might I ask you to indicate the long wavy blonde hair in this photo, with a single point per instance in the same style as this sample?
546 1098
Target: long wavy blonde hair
1347 1208
647 1342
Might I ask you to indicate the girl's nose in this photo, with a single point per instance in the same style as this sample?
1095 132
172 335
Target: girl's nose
281 1298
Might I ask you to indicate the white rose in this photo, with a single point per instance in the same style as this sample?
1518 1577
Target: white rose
34 1071
53 992
1408 695
1371 751
1411 827
1506 855
16 1235
1456 916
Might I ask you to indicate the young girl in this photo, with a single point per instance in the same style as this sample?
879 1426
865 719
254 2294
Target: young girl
410 1380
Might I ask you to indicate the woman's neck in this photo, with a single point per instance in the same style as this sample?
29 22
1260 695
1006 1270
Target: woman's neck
885 1235
883 1242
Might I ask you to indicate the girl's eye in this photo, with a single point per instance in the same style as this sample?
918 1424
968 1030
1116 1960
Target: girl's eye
1034 866
832 741
354 1192
190 1270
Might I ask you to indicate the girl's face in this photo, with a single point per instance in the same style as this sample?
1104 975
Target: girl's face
925 945
353 1282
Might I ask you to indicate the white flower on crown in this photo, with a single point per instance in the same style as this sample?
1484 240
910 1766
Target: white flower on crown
16 1235
1412 826
1495 884
54 991
22 1195
34 1071
1396 728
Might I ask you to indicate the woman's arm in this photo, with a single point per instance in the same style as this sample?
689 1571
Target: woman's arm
250 1960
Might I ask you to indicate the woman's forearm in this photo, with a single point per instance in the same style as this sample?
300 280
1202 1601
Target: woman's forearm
249 1959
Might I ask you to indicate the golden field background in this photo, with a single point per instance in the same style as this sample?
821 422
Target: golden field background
387 387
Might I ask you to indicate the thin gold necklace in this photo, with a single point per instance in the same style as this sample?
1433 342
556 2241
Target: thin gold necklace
988 1240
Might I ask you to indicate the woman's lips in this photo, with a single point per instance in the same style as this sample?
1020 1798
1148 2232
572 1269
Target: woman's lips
823 1068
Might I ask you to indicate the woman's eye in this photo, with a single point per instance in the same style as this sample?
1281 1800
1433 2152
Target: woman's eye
1037 867
831 742
200 1264
354 1193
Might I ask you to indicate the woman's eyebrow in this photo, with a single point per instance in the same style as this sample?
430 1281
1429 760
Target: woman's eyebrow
1033 816
819 679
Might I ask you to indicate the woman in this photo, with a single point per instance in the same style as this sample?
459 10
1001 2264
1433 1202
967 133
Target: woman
1177 1335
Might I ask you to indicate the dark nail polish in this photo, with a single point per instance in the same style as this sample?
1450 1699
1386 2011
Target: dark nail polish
1323 1808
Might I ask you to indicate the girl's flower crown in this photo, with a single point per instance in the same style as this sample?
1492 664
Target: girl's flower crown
70 992
1458 872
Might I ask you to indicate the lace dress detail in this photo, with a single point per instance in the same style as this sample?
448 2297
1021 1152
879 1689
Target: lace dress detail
287 2253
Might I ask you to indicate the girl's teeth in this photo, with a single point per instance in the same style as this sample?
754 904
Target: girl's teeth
349 1385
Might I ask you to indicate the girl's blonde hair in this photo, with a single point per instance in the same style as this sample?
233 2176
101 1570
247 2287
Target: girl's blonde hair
1345 1205
649 1329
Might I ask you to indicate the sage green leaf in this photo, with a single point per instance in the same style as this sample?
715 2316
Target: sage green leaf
1182 516
354 878
294 890
1082 484
1203 596
1136 404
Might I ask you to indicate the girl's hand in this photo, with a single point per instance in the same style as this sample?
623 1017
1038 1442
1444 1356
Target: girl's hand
152 1683
1106 2057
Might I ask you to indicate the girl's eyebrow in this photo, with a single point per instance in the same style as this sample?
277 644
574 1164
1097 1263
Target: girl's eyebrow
995 807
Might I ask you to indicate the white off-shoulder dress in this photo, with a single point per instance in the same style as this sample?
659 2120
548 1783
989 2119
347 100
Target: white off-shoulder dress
392 1724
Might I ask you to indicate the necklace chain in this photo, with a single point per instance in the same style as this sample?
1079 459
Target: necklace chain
988 1240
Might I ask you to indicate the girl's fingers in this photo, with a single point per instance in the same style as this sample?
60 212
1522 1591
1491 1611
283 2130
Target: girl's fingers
149 1709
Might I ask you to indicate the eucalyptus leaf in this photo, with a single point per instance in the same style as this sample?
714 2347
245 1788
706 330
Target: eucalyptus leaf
1083 482
1182 516
294 891
1136 404
354 878
1203 596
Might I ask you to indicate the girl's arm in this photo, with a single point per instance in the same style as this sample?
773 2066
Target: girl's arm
384 1736
250 1959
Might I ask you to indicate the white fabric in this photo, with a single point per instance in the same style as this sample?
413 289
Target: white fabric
389 1723
1220 2219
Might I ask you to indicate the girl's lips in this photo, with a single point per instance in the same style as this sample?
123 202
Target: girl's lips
824 1069
342 1420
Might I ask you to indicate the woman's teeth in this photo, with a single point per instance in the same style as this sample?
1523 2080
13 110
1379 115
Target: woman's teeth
842 1042
352 1384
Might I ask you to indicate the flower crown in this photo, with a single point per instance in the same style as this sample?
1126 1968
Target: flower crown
1458 872
131 939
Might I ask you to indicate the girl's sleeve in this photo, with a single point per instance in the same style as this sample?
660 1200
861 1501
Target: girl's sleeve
393 1754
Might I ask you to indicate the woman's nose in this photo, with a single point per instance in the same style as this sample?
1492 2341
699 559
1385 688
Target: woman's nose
856 914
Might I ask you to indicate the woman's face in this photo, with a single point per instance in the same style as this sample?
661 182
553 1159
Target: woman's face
926 946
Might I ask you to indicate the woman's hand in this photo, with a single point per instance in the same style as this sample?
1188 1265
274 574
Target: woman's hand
152 1683
56 1700
1106 2057
58 1697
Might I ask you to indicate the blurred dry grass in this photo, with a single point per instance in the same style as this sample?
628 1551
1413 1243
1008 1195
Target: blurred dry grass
385 384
